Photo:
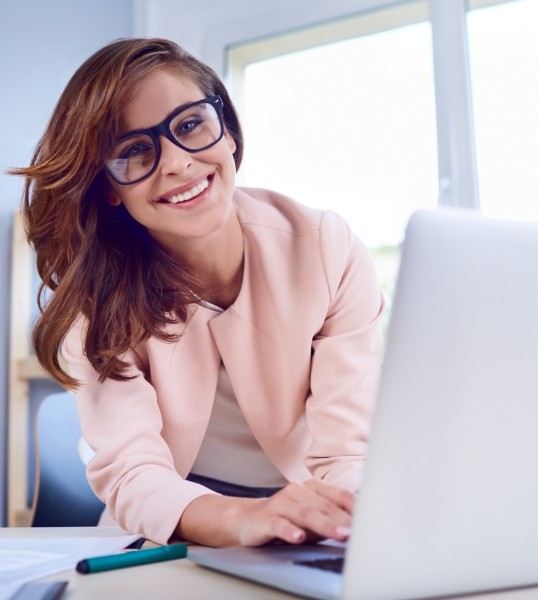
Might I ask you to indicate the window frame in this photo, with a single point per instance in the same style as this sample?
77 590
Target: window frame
457 169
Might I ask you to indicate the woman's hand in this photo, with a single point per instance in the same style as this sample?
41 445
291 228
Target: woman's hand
300 512
310 511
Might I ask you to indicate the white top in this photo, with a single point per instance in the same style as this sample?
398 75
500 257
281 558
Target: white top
229 451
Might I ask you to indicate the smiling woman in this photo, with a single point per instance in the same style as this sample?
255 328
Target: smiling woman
198 322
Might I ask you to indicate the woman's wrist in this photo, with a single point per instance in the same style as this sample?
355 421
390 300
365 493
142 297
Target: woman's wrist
214 520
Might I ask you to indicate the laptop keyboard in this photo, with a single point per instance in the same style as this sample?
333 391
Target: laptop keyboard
336 565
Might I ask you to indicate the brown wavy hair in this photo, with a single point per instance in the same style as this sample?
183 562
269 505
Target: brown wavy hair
97 260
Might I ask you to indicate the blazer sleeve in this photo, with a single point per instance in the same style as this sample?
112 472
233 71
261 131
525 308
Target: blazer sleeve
347 354
133 470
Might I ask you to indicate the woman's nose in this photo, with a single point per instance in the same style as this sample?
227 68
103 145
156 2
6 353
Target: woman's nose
174 160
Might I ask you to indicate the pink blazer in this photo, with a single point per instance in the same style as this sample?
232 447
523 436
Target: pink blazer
302 347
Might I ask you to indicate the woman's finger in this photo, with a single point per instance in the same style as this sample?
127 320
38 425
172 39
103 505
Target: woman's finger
339 496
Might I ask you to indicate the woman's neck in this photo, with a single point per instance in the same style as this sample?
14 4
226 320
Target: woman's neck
217 261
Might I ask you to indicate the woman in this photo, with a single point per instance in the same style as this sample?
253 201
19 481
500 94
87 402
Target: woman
224 342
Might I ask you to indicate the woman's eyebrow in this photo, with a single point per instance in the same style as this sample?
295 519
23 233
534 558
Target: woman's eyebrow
183 106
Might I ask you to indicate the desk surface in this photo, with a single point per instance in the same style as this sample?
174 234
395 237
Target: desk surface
174 579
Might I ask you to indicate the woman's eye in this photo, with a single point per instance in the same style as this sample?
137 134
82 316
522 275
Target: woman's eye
139 150
185 127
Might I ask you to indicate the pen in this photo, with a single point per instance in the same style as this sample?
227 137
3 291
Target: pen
131 559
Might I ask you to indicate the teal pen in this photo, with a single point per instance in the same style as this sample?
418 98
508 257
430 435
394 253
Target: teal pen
131 559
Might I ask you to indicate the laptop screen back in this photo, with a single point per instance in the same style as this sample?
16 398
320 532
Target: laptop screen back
450 495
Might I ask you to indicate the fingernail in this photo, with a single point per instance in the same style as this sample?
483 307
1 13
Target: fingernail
343 531
297 535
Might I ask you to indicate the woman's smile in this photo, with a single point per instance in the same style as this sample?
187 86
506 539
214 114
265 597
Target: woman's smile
189 194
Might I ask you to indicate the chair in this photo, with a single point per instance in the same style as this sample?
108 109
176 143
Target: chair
63 497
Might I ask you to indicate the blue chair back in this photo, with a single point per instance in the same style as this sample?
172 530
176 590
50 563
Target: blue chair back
63 497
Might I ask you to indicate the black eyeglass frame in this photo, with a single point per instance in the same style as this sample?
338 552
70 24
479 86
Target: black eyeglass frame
163 128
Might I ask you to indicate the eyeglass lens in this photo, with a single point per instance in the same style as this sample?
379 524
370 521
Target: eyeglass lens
194 128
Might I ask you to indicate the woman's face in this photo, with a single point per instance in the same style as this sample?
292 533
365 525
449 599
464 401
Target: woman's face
188 196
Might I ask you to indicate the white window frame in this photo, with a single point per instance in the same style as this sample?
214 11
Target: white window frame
458 182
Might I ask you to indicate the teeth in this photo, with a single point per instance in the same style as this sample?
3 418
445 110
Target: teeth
197 189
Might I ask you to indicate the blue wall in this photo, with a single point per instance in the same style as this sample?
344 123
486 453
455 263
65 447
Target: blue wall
41 45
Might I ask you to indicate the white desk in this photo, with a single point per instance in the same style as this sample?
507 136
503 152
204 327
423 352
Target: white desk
177 579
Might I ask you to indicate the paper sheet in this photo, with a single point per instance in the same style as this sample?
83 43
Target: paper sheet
27 559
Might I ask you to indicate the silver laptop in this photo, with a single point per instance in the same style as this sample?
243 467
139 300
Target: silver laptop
449 503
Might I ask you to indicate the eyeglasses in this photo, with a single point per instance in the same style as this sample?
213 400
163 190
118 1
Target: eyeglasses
194 127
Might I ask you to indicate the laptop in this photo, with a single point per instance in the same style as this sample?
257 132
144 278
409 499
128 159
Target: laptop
449 503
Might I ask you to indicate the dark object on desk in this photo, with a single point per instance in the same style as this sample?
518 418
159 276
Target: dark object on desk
131 559
335 565
136 545
40 590
63 497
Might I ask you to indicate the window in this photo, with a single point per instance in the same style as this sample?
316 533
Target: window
503 47
348 125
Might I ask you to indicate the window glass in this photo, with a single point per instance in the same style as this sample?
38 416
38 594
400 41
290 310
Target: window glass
503 48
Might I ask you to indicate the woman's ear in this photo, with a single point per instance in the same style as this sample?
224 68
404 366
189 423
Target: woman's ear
112 197
104 189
